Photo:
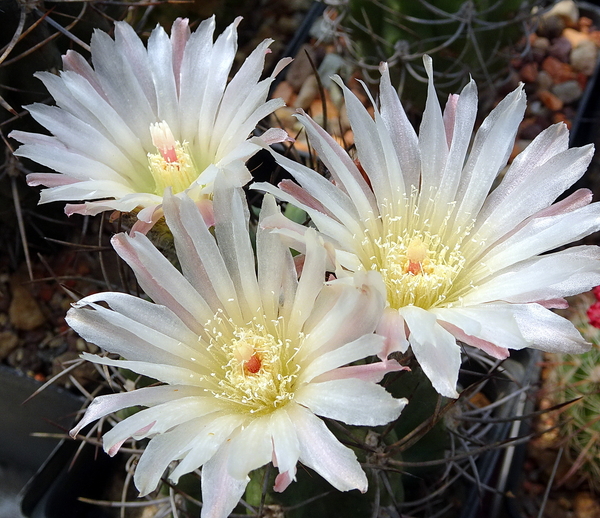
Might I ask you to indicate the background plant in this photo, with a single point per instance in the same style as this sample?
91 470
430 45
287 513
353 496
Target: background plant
465 38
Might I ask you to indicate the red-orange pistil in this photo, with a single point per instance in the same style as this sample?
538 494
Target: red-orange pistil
253 365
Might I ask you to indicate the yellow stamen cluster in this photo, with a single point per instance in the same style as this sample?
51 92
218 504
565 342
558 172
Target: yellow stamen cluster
178 175
257 369
417 268
173 165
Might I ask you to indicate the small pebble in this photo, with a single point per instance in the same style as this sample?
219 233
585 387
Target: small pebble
568 92
560 49
24 311
551 27
308 93
566 10
574 36
529 72
583 57
285 91
559 71
551 101
540 43
544 80
586 506
8 342
300 69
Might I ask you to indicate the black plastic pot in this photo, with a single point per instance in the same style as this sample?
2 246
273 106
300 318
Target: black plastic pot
21 454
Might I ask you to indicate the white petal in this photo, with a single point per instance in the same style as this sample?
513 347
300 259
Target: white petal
162 281
550 276
162 418
250 448
462 129
543 184
162 450
321 451
402 133
351 401
200 257
275 263
372 372
493 323
310 284
286 447
149 396
542 234
207 439
370 149
160 53
432 137
489 153
548 331
129 338
360 348
173 375
151 315
220 491
231 216
194 77
391 326
435 348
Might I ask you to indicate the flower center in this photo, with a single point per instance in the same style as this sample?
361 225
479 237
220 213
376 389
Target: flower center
257 369
172 166
418 269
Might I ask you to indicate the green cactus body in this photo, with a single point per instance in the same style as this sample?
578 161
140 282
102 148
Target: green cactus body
577 377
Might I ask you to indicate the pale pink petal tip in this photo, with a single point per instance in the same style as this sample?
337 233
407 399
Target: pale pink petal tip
113 450
283 480
275 135
147 218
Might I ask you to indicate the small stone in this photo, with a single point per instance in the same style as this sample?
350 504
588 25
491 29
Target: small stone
551 26
540 43
559 71
583 57
550 101
8 342
560 49
285 91
24 311
300 69
586 506
595 37
568 92
544 80
308 93
83 346
535 107
585 24
582 79
529 72
285 116
574 36
566 10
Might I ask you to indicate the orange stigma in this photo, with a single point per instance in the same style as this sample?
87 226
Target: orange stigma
253 364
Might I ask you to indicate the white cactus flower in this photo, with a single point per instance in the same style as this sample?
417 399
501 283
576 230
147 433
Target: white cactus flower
246 357
460 261
143 119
